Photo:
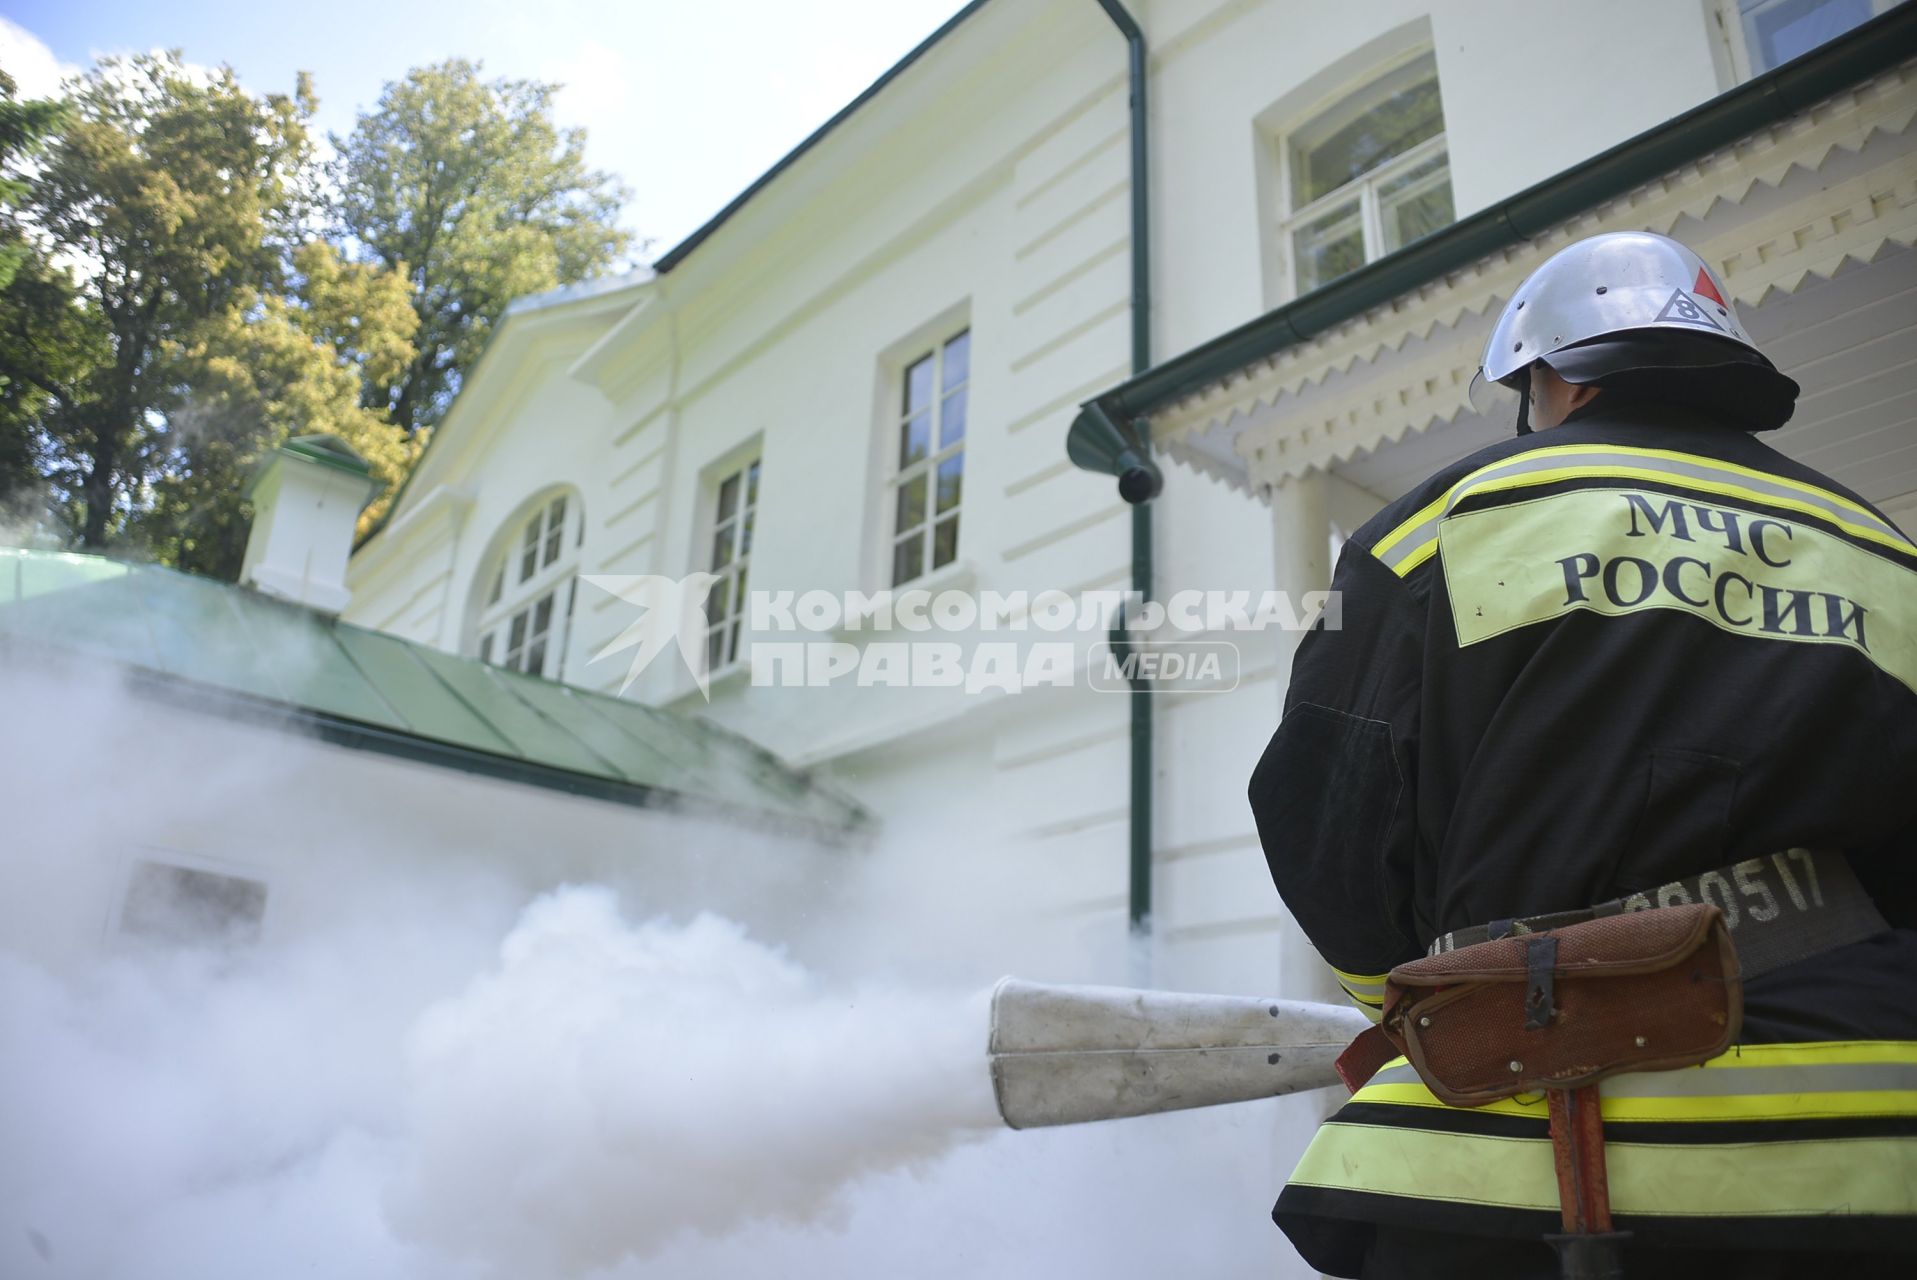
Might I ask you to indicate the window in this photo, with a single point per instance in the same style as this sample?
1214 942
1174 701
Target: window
931 436
528 606
1775 31
182 906
1366 176
734 508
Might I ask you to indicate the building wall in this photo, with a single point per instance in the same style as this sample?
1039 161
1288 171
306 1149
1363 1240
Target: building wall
989 186
337 835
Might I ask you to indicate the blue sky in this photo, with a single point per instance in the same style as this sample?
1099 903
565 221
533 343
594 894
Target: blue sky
687 100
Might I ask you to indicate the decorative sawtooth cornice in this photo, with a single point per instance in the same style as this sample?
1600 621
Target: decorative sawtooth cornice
1853 219
1428 395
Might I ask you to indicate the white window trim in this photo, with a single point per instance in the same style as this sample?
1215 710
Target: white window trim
739 463
1365 185
1730 30
559 577
896 417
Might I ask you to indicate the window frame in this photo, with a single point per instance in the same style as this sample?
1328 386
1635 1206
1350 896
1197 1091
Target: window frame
126 927
900 474
1737 42
1364 188
506 596
747 464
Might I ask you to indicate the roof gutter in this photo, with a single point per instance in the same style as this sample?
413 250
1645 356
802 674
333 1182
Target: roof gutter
1872 48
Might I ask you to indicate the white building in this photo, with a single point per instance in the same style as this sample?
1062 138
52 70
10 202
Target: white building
861 375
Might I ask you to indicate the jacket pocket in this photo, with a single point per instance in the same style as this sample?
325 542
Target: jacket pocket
1685 824
1324 797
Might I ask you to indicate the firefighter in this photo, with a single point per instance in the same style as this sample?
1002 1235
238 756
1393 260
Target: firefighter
1632 654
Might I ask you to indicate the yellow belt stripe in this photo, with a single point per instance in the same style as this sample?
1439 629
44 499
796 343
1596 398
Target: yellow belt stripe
1717 1107
1785 1106
1745 1179
1815 1053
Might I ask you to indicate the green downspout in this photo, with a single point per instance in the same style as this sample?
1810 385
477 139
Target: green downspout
1141 699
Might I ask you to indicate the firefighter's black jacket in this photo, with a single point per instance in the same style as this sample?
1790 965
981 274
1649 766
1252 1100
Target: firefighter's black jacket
1587 662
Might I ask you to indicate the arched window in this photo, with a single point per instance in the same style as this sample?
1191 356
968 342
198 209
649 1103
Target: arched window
526 612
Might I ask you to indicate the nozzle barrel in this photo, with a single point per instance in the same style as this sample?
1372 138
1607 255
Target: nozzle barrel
1070 1054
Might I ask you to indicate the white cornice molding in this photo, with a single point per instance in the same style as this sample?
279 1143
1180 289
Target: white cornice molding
442 507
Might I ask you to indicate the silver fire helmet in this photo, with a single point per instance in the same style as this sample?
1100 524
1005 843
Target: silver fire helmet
1613 283
1637 309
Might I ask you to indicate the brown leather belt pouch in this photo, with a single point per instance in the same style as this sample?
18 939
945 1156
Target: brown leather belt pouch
1642 991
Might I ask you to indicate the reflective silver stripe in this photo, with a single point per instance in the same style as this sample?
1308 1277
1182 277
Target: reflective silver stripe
1721 1082
1417 539
1372 991
1403 1073
1409 540
1858 1077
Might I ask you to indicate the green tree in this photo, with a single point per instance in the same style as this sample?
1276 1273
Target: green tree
34 298
265 369
468 189
175 192
24 127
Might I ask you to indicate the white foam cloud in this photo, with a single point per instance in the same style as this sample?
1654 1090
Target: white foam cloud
439 1079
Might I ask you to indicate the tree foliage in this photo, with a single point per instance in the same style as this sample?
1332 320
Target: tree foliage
266 369
165 189
34 299
468 189
176 298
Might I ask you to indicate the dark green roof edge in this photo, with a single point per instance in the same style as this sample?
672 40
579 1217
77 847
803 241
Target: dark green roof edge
328 451
358 735
1868 50
678 253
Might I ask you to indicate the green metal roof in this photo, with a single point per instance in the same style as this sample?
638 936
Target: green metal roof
1788 91
244 653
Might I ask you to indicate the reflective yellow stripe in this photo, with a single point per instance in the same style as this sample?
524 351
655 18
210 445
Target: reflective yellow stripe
1873 531
1360 979
1366 990
1851 1085
1425 551
1809 490
1412 542
1430 512
1741 1179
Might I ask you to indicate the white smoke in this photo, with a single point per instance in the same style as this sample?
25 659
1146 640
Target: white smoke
459 1079
640 1082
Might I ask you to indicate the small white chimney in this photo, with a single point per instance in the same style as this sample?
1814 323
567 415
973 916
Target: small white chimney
306 501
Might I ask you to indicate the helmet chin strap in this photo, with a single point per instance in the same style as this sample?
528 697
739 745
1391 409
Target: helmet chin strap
1524 409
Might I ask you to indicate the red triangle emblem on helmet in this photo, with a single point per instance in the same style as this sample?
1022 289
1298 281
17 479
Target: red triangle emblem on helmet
1705 289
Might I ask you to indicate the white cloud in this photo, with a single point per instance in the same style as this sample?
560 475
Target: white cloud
32 65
